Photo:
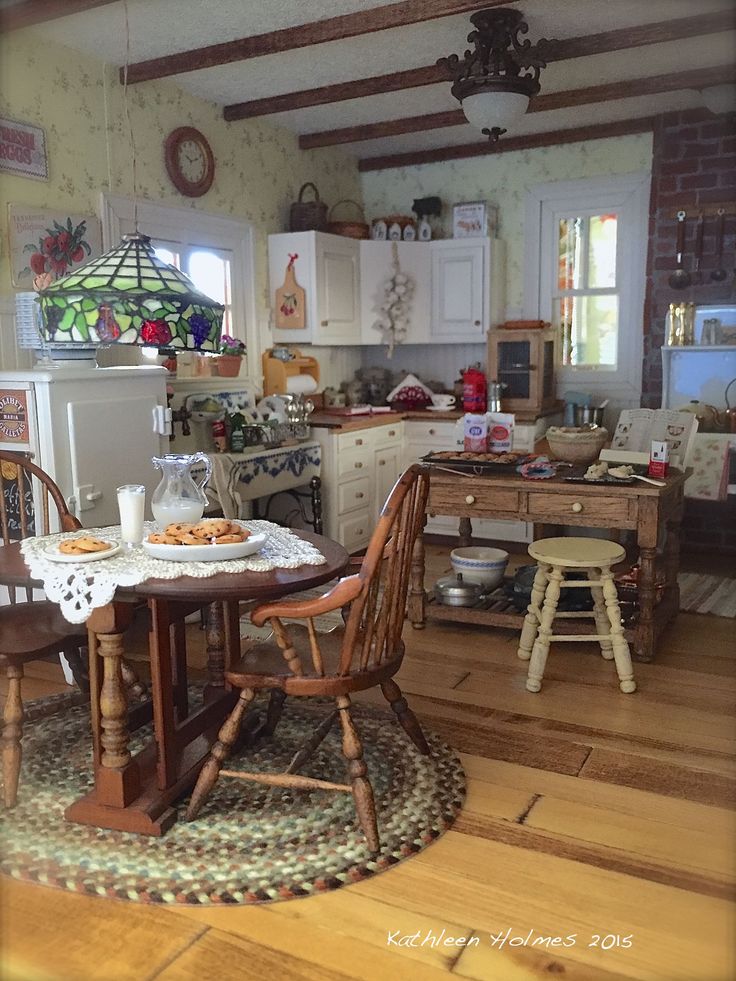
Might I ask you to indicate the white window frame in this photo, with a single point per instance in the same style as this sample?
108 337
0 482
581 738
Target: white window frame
628 197
189 228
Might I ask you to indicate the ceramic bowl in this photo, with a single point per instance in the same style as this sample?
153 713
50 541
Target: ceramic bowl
480 564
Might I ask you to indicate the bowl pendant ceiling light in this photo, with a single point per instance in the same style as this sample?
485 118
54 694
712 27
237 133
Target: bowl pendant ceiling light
129 296
495 81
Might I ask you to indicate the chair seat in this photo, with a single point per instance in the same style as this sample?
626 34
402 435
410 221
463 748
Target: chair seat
263 665
577 553
32 630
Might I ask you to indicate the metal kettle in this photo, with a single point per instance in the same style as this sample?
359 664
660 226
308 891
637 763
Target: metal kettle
495 391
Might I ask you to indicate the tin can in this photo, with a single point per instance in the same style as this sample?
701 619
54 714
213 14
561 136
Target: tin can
219 435
659 457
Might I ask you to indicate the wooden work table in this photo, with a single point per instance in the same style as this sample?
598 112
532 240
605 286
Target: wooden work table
653 513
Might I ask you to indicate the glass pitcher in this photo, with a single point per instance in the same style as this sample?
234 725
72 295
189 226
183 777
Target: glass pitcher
180 496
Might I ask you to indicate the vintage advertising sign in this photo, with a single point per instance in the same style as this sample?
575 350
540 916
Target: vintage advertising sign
23 149
43 241
13 415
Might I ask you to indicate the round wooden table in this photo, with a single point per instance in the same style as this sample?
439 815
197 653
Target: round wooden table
134 791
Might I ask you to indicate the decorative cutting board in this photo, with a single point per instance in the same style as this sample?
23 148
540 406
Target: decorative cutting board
289 301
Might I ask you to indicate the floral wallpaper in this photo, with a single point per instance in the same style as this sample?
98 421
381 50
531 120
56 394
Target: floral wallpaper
79 102
503 180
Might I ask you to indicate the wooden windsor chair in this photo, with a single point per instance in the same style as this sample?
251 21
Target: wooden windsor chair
366 651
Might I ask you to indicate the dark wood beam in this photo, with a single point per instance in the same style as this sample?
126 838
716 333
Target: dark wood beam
304 35
30 12
575 47
694 79
553 137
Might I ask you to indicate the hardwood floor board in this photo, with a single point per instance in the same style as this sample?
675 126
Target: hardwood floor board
677 935
668 779
484 962
54 934
700 636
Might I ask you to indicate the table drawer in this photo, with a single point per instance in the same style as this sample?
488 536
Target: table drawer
466 498
353 494
355 532
354 462
597 512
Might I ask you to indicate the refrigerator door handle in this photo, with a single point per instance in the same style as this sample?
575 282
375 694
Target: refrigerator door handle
162 420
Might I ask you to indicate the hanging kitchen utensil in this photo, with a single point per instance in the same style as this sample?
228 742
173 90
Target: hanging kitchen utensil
680 279
289 300
699 230
719 273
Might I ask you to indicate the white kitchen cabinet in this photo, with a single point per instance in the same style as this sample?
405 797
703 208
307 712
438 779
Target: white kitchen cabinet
387 467
467 289
376 260
328 269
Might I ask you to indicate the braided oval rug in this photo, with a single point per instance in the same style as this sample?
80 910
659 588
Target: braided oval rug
250 843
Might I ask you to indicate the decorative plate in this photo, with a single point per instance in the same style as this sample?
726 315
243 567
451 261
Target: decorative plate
537 470
53 553
206 553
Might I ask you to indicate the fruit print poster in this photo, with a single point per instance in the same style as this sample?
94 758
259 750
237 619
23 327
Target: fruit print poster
52 242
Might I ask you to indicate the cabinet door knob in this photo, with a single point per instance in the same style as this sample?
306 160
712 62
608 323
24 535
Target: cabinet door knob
381 463
359 494
358 466
392 432
470 499
324 323
476 323
432 432
359 531
577 507
359 442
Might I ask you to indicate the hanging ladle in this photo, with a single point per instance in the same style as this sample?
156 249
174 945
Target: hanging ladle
680 278
719 273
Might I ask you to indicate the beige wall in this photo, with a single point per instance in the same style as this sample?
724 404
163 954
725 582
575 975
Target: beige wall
79 103
503 180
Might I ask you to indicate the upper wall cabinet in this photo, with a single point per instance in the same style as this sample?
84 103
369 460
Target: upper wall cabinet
467 287
328 269
376 266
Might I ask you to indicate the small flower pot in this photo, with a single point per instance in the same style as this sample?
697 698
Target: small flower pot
228 365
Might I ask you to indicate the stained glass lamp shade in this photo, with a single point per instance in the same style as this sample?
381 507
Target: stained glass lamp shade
129 296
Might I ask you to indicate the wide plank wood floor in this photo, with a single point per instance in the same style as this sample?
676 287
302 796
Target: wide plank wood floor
589 814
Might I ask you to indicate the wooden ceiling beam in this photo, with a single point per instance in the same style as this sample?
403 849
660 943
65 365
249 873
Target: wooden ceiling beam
30 12
576 47
303 36
694 79
577 135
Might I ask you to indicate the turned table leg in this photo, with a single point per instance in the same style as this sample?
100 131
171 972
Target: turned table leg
315 486
417 597
215 639
465 533
644 645
114 737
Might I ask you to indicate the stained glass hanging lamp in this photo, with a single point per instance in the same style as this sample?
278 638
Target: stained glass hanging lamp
129 296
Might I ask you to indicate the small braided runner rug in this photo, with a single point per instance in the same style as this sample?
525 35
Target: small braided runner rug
707 594
250 843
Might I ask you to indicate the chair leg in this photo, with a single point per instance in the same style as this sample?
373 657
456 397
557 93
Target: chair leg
273 713
404 714
621 653
219 753
602 623
78 660
531 620
12 735
358 772
134 686
541 644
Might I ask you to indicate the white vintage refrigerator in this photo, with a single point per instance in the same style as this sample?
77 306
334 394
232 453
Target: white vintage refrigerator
91 429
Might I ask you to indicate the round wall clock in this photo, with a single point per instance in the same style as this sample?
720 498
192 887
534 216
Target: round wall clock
190 162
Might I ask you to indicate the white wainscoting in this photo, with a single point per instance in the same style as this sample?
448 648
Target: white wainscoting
441 362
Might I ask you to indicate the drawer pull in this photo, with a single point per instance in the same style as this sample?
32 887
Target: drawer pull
359 442
359 494
476 323
324 323
470 499
432 432
392 432
381 463
577 507
358 466
359 531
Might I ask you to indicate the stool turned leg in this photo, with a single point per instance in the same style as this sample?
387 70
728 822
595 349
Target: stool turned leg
621 653
531 620
601 617
541 644
12 734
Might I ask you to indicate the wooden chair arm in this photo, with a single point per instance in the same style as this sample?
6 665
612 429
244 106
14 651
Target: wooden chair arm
340 595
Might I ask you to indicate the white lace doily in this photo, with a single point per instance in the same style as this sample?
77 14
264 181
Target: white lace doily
78 589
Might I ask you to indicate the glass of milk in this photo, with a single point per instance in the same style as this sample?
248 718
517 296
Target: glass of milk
131 504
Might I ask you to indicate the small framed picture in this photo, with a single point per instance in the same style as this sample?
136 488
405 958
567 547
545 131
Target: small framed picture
470 219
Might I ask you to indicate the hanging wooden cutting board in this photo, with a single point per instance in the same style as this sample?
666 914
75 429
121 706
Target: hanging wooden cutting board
290 301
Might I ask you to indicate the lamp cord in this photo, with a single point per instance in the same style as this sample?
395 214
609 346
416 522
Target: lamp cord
126 112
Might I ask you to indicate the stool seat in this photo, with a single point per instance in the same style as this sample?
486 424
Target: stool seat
554 556
577 553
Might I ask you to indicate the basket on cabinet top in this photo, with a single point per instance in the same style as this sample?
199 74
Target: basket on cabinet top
308 216
350 229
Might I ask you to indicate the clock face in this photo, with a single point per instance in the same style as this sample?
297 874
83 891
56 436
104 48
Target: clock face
189 161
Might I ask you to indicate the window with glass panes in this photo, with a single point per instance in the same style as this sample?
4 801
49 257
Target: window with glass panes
208 269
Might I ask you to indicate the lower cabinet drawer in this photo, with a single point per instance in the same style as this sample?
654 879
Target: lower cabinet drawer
356 462
391 435
468 498
353 494
599 512
355 532
355 440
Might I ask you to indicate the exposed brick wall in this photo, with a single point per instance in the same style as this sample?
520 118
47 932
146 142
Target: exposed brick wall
694 164
710 526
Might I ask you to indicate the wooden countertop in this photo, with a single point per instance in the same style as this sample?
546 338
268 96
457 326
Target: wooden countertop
343 424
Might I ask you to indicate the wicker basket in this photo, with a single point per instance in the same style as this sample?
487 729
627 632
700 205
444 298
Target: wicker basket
308 216
350 229
576 445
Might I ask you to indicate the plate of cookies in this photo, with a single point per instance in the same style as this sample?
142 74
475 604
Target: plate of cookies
208 540
86 548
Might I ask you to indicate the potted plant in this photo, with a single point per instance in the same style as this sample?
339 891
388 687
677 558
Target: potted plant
231 354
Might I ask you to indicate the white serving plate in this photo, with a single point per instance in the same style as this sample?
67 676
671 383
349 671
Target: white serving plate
206 553
53 553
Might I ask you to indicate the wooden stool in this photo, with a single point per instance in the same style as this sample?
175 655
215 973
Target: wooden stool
554 556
